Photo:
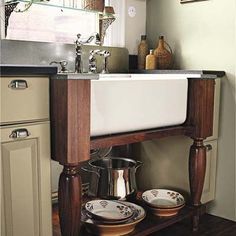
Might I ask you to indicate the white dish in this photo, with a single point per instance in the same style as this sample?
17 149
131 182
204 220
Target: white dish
108 210
163 198
102 229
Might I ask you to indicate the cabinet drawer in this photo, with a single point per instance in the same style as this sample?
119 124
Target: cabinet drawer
24 99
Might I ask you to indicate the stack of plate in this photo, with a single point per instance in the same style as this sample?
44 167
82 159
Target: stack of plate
163 202
110 218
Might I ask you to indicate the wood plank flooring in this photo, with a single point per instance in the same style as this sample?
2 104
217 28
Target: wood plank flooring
210 226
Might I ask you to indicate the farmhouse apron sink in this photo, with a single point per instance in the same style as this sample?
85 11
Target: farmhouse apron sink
128 102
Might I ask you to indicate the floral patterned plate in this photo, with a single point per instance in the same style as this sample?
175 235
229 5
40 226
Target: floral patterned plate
163 198
108 210
102 229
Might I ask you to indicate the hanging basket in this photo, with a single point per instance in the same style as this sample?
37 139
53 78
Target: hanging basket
95 5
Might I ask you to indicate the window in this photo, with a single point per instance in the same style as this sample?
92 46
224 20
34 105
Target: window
51 24
55 24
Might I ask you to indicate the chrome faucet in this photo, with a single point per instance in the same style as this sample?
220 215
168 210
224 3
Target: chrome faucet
78 49
93 61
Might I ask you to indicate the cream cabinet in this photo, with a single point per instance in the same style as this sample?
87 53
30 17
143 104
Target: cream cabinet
25 157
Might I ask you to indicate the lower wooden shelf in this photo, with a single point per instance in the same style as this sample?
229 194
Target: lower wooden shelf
153 223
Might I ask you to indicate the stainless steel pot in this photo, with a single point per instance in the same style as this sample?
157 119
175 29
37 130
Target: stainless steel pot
112 177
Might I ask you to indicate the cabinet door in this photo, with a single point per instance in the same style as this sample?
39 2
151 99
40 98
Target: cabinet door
26 180
210 177
2 218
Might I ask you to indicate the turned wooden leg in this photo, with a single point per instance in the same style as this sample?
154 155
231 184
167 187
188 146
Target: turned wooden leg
69 197
197 168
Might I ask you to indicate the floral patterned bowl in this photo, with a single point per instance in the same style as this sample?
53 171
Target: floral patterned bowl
108 210
163 198
103 229
165 212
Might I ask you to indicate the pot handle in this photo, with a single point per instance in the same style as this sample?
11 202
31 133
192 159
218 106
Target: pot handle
90 171
138 164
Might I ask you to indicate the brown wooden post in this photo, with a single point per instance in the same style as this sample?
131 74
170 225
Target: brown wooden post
69 197
197 168
200 115
70 144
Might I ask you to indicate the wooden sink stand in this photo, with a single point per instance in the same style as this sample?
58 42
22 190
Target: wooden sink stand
71 144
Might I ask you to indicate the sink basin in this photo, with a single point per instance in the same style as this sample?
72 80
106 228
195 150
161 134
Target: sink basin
128 102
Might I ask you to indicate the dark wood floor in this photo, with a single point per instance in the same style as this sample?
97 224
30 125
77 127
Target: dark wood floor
210 226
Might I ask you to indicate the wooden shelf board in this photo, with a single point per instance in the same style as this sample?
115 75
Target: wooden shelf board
153 223
138 136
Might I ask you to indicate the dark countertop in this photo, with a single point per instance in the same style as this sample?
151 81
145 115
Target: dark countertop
11 69
8 69
204 73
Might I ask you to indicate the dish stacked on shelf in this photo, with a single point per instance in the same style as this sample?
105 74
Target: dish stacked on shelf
107 217
163 202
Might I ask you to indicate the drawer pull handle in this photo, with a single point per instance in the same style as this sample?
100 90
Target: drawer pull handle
208 147
18 84
19 133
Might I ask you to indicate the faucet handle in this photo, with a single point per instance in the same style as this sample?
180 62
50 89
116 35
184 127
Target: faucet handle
63 65
105 55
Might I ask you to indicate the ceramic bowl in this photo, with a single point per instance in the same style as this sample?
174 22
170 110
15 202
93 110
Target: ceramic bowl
108 210
101 229
165 212
163 198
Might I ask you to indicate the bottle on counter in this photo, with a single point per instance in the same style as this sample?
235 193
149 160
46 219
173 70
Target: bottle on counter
164 56
142 52
151 61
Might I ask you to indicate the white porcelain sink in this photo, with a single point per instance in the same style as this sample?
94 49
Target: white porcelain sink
128 102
